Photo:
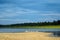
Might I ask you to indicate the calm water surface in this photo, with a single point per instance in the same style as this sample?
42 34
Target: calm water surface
56 32
28 30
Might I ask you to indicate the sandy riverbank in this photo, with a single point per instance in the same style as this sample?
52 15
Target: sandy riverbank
27 36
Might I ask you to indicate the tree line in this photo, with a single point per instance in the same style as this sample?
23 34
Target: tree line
32 24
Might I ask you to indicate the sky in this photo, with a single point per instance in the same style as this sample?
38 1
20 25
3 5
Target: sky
25 11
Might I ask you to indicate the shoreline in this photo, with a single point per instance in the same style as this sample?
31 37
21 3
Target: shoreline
27 36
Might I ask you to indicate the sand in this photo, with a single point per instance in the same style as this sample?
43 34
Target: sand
27 36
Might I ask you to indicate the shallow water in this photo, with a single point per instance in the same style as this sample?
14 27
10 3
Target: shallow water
28 30
56 32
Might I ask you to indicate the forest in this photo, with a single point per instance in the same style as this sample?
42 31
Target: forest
20 25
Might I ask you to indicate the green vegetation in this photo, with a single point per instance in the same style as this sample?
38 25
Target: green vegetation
54 24
49 26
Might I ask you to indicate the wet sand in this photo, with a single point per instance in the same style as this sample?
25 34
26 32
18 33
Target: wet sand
28 36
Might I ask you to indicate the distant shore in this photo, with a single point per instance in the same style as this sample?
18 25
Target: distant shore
27 36
47 26
53 24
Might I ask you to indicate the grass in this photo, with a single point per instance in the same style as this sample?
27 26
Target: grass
46 26
49 26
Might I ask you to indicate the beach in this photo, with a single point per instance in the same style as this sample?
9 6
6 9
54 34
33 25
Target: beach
28 36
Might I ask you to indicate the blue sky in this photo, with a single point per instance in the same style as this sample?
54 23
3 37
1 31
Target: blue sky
22 11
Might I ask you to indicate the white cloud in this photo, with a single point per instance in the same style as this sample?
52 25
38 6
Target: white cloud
13 21
12 12
21 9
